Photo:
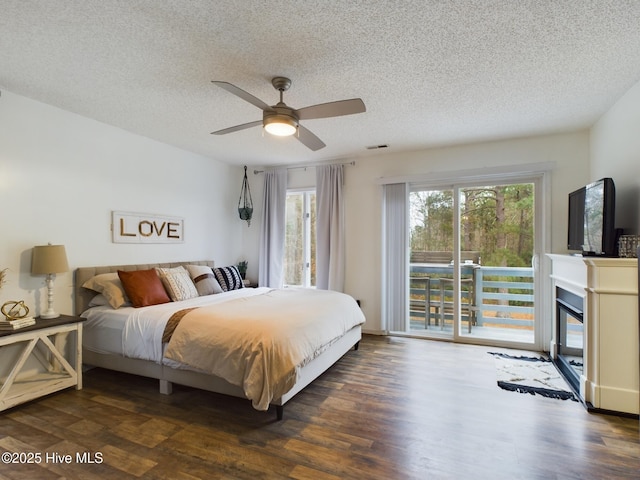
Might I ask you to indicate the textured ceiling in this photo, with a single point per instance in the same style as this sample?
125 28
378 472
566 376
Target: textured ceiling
431 73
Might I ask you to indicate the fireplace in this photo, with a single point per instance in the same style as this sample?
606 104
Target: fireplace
600 356
570 336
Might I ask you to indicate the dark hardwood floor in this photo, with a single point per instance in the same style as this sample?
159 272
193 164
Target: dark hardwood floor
397 408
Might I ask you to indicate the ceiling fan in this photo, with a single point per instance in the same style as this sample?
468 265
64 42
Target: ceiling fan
282 120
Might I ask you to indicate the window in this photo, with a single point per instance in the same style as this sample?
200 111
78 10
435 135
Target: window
300 239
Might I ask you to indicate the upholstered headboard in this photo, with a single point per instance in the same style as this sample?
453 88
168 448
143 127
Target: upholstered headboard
83 296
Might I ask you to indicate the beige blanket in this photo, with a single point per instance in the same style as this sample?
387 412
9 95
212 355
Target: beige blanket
259 342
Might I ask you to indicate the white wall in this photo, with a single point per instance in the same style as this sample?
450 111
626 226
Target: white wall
61 176
615 153
363 196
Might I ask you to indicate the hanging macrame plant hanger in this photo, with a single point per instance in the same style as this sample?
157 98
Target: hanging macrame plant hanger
245 204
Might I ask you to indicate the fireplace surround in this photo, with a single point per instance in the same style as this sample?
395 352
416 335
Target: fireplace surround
608 290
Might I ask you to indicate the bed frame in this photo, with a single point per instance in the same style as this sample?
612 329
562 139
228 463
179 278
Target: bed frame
167 375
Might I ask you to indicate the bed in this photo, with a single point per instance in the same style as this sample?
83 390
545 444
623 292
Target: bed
134 340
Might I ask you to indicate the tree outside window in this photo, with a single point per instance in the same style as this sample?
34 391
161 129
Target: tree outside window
300 239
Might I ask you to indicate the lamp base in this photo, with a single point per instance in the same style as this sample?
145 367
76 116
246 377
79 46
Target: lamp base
50 312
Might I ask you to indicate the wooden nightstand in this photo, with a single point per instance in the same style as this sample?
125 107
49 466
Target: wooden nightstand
40 359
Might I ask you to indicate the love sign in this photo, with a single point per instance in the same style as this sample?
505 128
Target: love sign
146 228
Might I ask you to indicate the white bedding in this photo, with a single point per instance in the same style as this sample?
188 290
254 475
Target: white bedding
260 343
303 321
137 332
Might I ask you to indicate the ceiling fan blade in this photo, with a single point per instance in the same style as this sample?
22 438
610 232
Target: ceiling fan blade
246 96
332 109
308 139
237 128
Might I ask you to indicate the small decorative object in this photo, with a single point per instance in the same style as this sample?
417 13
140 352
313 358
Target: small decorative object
3 273
14 310
628 246
49 260
246 210
15 314
242 268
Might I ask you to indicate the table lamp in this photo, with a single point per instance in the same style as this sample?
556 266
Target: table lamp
49 260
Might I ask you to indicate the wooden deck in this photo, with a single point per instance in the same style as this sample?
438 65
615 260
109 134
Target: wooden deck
499 296
499 333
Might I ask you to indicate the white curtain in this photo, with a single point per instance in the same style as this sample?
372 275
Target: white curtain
395 246
330 242
270 266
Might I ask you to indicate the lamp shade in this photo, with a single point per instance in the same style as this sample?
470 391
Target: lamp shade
48 259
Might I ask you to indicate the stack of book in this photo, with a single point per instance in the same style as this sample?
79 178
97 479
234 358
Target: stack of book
16 324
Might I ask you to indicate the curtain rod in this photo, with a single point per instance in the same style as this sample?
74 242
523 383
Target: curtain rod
353 162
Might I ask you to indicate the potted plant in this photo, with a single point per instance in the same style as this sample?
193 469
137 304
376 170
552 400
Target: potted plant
242 268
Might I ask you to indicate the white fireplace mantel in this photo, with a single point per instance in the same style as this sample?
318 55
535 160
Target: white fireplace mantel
609 288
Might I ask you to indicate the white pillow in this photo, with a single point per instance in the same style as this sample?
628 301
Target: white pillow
98 301
177 283
203 277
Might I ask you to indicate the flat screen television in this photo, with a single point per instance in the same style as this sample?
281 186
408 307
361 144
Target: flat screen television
591 219
576 220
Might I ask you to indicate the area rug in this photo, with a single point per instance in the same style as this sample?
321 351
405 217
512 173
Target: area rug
533 375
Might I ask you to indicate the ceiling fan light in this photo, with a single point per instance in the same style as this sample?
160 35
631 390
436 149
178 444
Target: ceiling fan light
280 126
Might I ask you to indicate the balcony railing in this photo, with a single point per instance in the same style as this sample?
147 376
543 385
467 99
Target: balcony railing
490 296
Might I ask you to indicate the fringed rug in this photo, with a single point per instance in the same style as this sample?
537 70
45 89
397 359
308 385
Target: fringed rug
533 375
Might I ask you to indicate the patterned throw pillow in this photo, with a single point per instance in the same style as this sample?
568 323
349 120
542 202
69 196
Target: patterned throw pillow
177 283
228 278
203 277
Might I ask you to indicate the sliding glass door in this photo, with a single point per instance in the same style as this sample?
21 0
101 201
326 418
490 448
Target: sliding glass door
472 258
431 239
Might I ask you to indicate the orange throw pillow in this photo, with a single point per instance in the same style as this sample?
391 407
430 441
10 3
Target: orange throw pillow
143 287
